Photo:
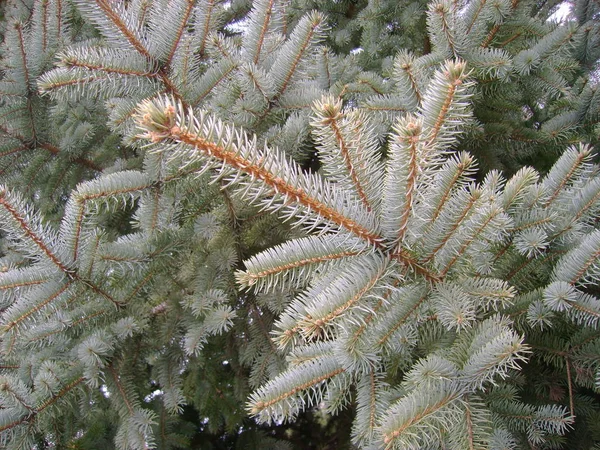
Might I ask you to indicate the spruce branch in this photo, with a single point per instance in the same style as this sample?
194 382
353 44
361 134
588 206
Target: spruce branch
401 178
446 104
294 263
307 33
104 189
160 121
261 15
280 398
31 230
28 144
391 293
405 77
184 14
113 17
349 136
204 15
406 421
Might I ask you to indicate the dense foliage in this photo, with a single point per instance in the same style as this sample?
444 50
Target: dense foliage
294 224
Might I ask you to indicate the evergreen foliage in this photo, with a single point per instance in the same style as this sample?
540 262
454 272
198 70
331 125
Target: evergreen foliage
291 224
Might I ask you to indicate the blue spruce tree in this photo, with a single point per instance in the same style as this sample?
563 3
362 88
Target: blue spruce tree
284 224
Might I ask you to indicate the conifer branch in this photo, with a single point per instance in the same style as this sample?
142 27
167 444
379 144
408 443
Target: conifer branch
455 76
23 55
44 405
493 214
139 286
494 30
411 140
206 25
84 162
114 17
268 12
564 173
179 33
352 341
347 150
29 144
462 167
439 23
529 262
469 421
59 13
313 382
98 290
45 25
305 33
250 278
313 326
439 401
72 61
160 123
480 6
121 389
390 293
60 394
22 283
399 321
61 288
223 70
29 232
15 423
460 218
313 375
331 115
